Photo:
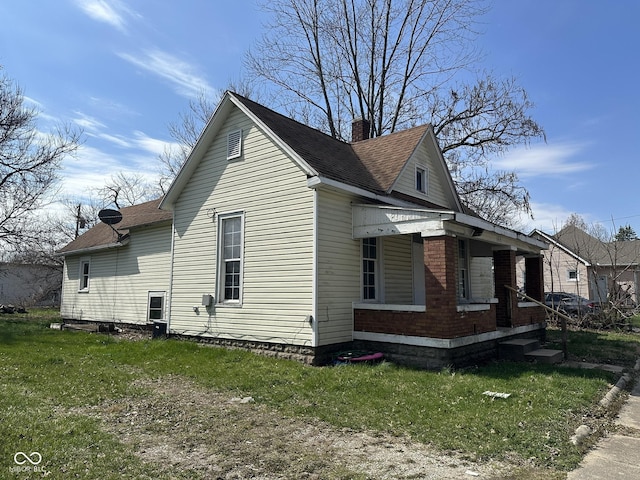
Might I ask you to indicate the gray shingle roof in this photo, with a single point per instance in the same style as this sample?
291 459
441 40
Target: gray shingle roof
102 235
598 252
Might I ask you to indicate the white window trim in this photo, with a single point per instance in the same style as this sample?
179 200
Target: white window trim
569 279
233 137
164 306
84 261
220 300
379 283
425 179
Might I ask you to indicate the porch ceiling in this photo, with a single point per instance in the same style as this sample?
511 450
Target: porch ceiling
384 220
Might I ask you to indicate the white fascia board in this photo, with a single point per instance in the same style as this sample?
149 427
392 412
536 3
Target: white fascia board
304 166
490 227
444 166
207 136
198 151
383 220
97 248
317 181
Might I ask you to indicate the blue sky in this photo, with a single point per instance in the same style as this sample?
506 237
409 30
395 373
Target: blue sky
124 69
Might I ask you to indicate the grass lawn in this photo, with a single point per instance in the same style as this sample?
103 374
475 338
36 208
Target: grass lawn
50 379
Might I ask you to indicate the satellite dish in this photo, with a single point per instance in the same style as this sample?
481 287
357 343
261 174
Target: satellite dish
110 217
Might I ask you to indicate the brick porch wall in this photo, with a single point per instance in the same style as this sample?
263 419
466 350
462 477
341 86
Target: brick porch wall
421 324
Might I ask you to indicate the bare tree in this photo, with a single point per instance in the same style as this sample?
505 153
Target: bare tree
185 133
393 62
29 162
126 189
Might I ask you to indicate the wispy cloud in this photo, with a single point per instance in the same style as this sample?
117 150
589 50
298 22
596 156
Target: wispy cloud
151 145
184 77
545 160
114 12
87 122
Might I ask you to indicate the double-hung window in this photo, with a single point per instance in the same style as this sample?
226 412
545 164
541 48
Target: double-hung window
369 269
463 270
230 258
85 270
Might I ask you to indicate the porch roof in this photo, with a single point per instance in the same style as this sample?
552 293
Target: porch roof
385 220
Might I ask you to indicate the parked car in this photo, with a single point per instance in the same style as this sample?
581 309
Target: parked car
570 303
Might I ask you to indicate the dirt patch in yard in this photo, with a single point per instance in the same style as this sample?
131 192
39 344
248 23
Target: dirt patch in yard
181 427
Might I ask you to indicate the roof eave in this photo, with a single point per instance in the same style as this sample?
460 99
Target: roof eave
95 248
318 181
476 222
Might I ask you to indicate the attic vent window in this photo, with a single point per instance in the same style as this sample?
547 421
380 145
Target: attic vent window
234 145
422 179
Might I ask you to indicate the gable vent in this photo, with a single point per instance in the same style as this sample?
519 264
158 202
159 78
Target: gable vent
234 144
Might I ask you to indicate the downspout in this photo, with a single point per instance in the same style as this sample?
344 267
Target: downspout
315 333
170 292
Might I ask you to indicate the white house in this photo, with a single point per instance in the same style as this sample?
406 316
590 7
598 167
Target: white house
119 276
288 241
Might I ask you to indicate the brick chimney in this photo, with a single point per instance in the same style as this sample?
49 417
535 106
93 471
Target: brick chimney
360 129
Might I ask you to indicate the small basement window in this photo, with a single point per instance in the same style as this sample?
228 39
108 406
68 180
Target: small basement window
234 144
156 306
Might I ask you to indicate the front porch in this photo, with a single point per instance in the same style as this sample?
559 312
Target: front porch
461 267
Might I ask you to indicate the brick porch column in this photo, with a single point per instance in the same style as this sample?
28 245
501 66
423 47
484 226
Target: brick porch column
440 257
504 265
534 277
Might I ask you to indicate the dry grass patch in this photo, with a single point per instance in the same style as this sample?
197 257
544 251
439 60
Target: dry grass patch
183 426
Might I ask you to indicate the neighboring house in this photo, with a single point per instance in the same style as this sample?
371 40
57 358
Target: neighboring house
285 240
579 263
30 285
120 276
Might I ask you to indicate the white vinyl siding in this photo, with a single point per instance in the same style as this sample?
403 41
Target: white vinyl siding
437 189
422 179
398 274
277 261
338 269
120 279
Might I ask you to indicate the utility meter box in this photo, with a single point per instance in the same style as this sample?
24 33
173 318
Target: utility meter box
206 300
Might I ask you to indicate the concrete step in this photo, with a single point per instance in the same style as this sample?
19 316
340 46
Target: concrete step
517 348
545 355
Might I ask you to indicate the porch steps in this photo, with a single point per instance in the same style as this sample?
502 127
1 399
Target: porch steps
545 355
526 349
